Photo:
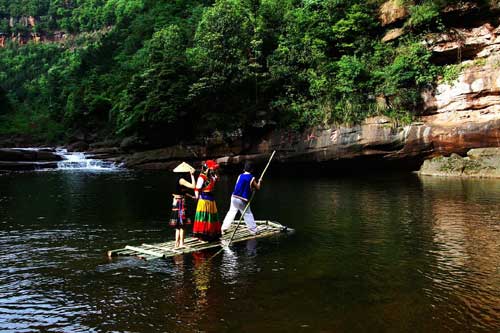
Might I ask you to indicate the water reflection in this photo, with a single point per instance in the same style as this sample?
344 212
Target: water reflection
231 263
465 250
388 253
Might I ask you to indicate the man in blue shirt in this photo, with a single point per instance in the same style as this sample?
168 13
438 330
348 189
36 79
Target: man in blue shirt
245 184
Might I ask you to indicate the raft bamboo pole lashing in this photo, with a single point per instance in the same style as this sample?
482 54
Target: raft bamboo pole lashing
166 249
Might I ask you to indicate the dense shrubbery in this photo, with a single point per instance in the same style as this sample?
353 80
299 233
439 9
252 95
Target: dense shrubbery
168 69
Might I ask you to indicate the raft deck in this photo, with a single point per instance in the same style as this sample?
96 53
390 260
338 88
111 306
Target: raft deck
166 249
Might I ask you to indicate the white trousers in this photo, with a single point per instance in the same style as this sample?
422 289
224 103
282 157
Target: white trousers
239 205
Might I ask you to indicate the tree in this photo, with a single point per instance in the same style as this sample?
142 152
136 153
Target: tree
222 58
158 93
5 105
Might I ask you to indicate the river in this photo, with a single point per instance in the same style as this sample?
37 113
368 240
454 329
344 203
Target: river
380 253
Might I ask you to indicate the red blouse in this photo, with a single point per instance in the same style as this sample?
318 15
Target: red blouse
201 183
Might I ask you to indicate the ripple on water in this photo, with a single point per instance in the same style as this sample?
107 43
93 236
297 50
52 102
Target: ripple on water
27 309
464 266
388 249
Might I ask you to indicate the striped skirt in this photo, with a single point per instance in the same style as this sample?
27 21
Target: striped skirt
207 225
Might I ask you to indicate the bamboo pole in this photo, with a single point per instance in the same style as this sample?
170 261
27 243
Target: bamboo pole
251 198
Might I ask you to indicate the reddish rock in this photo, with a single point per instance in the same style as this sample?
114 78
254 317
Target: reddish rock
462 44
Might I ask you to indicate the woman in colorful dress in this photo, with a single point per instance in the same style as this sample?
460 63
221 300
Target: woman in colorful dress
207 225
178 219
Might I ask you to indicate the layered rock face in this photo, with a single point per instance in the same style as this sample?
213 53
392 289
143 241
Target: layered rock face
455 117
464 44
465 113
24 159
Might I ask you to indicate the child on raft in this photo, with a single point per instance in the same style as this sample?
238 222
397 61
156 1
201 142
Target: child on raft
178 219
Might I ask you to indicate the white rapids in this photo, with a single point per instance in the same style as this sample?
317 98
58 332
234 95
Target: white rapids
79 161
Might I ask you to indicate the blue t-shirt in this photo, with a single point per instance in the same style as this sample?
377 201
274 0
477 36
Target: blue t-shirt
242 189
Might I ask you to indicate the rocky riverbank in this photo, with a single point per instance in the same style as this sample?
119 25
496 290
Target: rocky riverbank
378 140
17 159
483 163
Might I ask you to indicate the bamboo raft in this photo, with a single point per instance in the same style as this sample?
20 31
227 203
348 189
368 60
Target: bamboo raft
166 249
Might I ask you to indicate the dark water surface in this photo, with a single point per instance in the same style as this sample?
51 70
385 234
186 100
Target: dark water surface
393 253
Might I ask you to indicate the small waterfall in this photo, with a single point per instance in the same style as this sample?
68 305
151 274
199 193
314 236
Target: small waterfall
78 161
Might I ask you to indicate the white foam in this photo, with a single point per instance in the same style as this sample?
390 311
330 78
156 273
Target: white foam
78 161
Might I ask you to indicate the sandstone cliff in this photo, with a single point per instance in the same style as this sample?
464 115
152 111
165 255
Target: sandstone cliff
458 114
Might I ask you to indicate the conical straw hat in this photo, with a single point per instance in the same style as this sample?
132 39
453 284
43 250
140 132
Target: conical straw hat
184 167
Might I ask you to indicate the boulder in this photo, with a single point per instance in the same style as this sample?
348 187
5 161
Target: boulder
110 143
393 34
104 153
492 152
392 11
132 143
479 163
78 146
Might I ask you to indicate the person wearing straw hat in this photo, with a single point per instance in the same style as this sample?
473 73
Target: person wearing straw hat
178 219
206 221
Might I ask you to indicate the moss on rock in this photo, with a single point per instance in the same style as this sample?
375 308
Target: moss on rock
484 162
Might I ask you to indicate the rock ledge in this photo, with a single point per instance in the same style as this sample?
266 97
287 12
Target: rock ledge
481 162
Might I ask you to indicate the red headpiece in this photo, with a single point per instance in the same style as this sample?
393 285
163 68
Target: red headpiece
211 164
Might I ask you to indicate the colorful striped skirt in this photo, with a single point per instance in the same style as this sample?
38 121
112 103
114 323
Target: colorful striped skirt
207 225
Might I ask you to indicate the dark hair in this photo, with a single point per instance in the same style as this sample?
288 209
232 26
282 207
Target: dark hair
185 175
248 166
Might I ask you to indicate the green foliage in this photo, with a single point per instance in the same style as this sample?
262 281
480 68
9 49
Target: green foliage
410 67
37 125
423 15
450 73
5 105
223 52
158 93
349 32
167 69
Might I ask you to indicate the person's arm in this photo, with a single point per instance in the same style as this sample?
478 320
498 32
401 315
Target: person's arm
198 187
184 182
255 184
